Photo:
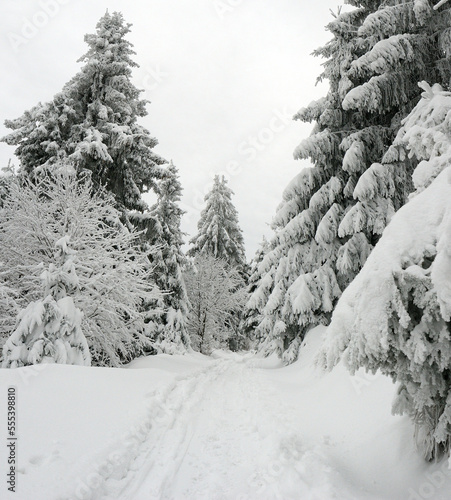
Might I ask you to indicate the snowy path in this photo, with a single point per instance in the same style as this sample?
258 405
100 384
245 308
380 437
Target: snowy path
220 433
225 428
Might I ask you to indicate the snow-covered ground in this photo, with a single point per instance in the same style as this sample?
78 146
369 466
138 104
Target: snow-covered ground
226 427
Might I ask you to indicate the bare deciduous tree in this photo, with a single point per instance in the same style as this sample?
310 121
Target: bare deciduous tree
114 274
216 293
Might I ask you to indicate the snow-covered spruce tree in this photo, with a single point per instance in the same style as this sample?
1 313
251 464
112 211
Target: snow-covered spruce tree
396 315
408 42
49 330
93 122
219 233
168 329
220 236
216 293
330 219
252 312
114 275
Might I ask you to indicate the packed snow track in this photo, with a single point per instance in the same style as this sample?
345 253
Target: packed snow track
219 433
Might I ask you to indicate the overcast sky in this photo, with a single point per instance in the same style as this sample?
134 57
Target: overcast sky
224 78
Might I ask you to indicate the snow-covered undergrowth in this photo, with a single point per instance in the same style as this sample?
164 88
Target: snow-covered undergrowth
222 427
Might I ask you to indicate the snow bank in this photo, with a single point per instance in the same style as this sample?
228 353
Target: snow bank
235 427
346 436
71 419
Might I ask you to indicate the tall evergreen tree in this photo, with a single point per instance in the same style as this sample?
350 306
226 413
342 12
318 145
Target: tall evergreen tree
93 122
395 316
323 231
219 234
252 313
168 261
220 237
407 42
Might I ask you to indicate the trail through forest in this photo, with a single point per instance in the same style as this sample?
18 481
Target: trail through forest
223 432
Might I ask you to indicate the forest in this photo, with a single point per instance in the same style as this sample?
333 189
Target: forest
358 263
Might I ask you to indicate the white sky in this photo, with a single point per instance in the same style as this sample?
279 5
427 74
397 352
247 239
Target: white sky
218 82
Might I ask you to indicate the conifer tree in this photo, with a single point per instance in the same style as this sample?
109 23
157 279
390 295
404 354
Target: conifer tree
252 316
395 316
49 330
407 42
167 259
93 122
218 231
323 231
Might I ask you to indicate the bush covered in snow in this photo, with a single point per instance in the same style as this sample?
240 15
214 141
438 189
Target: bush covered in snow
49 330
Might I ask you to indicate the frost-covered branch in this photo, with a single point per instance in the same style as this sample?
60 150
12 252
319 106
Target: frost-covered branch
114 275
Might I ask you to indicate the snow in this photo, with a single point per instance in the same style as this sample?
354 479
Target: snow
360 318
411 231
442 2
441 270
387 54
229 426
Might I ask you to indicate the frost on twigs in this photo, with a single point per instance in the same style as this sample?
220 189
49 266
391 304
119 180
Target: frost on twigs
216 294
114 275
